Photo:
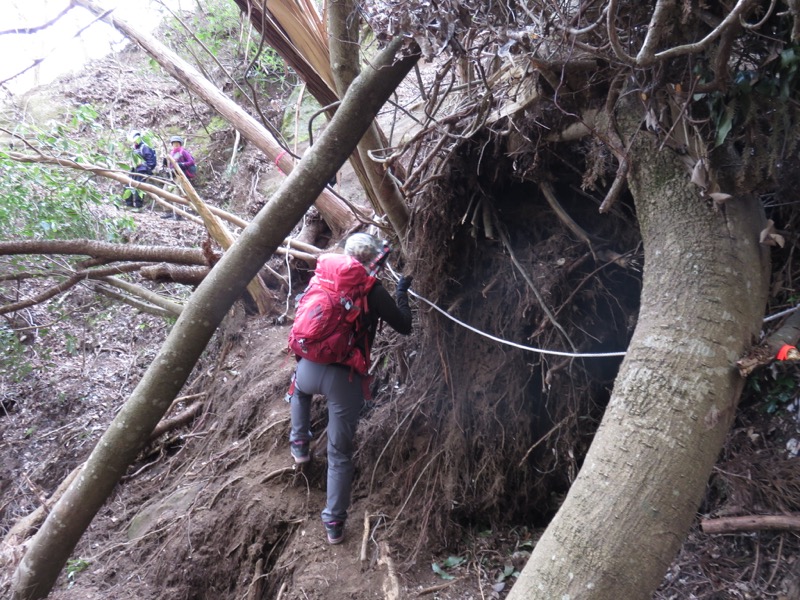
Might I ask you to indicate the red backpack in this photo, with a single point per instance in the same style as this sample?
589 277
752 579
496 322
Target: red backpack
329 317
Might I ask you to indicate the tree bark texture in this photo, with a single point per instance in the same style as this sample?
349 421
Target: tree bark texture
130 431
703 298
106 250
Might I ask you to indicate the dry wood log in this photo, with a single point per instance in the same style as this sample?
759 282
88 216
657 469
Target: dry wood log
145 294
256 288
105 250
164 272
750 523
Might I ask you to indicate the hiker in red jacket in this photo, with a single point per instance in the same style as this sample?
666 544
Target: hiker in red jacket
343 385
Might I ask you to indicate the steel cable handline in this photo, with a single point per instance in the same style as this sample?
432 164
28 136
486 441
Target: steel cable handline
556 352
514 344
541 350
501 340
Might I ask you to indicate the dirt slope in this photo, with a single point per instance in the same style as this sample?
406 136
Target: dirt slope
219 509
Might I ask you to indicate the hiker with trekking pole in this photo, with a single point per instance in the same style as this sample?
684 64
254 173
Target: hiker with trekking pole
335 324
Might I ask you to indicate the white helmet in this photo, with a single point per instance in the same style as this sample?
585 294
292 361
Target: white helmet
134 135
363 247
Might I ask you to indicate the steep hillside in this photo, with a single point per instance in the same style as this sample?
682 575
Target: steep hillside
216 509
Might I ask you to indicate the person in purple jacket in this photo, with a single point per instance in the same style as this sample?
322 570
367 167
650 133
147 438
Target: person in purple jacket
182 156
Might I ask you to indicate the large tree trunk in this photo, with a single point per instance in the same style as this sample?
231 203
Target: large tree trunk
703 298
130 431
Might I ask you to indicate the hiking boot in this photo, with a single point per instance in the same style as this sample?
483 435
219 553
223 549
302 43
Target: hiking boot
300 451
335 531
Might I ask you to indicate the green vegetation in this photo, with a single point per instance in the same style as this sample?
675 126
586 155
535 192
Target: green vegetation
449 563
44 201
771 85
213 29
14 365
75 566
776 387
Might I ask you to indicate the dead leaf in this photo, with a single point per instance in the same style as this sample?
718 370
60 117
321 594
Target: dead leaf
699 174
770 236
719 197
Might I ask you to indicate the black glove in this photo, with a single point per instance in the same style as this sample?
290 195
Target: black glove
403 284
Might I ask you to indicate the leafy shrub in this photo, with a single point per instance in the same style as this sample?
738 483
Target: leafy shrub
45 201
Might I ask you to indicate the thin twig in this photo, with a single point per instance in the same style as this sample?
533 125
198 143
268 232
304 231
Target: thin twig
533 288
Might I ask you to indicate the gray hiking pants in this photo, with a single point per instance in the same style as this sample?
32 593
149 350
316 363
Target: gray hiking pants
342 389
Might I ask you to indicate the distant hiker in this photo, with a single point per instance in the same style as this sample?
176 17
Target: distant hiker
182 156
185 161
146 164
333 357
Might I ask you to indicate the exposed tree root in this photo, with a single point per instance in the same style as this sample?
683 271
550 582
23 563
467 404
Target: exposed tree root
391 586
179 420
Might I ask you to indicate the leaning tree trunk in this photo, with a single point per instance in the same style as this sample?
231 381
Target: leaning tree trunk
703 297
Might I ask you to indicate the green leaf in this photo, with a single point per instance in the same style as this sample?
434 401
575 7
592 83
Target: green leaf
440 572
724 126
453 561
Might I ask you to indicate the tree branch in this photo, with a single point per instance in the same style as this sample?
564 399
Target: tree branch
654 31
181 418
307 252
750 523
613 38
177 274
732 20
142 306
29 30
50 292
335 212
105 250
145 294
222 236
